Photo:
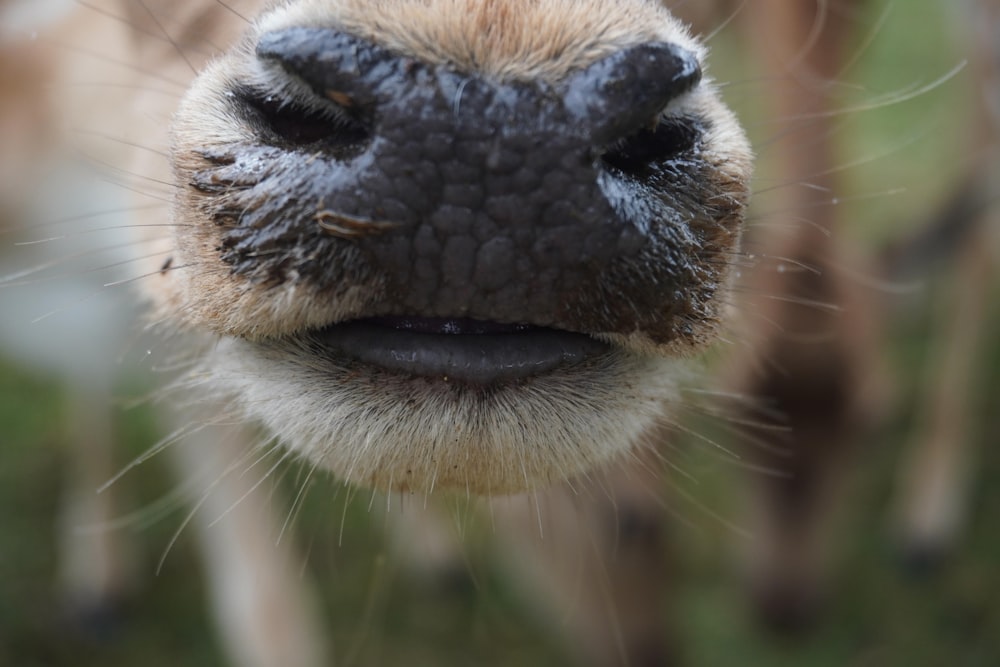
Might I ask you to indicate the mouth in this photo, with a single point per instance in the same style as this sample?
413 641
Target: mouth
475 352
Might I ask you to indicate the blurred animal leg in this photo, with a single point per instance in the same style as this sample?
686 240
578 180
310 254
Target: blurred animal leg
812 358
95 571
265 610
594 556
935 477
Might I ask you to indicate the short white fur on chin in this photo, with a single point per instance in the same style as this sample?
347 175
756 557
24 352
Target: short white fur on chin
394 432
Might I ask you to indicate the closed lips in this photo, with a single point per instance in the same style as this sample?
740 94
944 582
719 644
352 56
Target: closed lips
471 351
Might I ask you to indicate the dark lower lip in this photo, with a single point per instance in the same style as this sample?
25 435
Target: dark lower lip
479 353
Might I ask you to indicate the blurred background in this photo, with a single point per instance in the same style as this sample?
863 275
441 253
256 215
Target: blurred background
909 144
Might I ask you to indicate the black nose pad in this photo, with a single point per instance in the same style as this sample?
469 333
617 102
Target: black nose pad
494 193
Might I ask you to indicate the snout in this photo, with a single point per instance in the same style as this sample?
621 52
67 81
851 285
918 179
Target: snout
556 215
430 274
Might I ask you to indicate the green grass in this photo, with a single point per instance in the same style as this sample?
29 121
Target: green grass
877 615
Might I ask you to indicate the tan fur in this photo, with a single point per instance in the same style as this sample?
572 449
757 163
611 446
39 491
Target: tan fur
500 38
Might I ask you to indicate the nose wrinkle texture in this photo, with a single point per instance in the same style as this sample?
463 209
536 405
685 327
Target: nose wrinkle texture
497 201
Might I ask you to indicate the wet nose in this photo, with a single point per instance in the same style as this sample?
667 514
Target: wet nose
486 198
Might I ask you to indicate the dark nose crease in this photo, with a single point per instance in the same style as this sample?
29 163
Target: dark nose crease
490 196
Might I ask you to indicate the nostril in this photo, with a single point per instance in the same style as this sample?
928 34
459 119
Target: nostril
643 150
328 86
307 122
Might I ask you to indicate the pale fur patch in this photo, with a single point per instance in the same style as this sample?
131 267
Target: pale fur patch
384 431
